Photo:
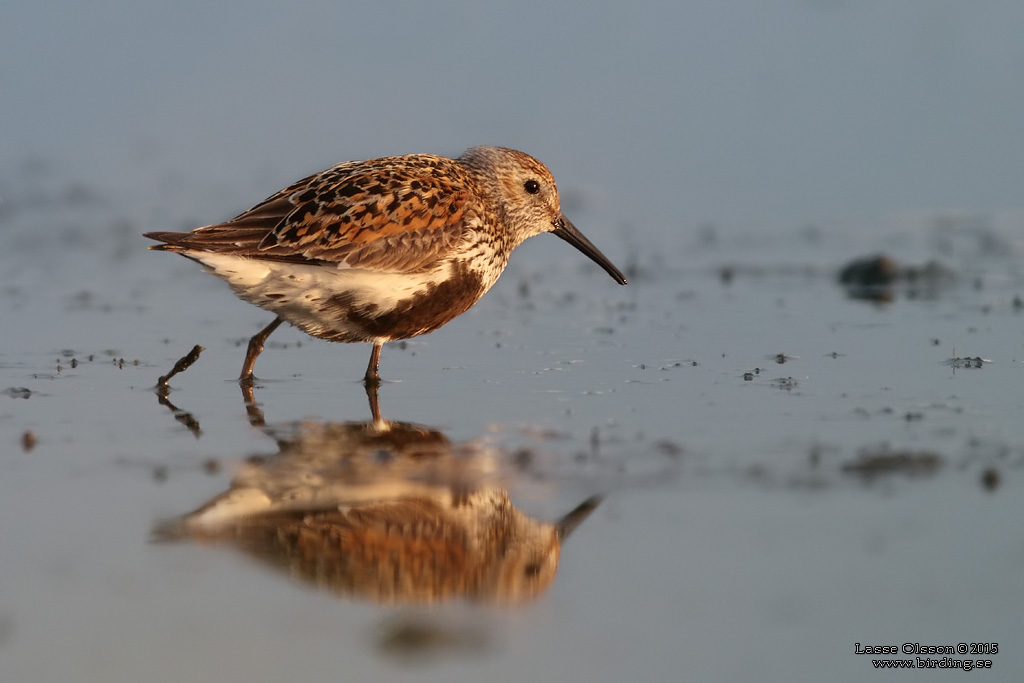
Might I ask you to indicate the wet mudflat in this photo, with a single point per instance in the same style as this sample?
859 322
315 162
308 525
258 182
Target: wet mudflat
796 430
772 469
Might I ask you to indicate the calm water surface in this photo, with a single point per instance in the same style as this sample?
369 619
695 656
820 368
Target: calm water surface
742 518
865 490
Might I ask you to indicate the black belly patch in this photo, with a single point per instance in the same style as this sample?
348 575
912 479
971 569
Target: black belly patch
419 314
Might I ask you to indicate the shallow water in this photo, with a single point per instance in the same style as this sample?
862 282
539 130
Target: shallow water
754 519
864 490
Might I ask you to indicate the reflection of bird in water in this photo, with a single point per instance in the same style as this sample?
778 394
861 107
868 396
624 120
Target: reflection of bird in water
385 511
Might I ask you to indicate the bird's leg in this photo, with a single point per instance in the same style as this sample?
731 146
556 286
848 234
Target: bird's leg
255 348
372 377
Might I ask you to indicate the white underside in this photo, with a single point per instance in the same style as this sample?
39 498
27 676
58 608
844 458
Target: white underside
297 292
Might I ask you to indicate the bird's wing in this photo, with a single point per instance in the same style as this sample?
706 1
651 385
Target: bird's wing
397 213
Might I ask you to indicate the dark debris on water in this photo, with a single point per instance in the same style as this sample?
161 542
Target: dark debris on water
877 278
875 463
958 362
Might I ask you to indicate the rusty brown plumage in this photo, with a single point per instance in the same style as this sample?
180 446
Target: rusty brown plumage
400 213
384 249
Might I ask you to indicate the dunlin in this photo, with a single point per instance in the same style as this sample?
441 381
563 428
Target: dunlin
386 249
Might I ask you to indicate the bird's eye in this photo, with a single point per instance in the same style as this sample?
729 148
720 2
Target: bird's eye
531 186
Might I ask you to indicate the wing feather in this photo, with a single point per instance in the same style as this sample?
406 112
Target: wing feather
396 213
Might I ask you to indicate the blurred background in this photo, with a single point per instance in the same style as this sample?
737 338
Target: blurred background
663 115
789 468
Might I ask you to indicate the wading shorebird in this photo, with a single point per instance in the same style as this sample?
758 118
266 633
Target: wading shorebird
386 249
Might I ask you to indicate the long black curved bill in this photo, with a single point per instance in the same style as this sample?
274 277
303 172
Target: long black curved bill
568 232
